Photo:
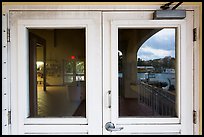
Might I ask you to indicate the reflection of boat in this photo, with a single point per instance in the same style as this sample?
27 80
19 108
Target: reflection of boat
170 79
165 80
149 77
168 85
167 71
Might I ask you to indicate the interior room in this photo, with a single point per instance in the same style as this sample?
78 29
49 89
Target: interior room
59 73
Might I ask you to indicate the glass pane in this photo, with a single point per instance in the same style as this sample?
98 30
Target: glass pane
147 72
68 79
55 57
80 67
69 67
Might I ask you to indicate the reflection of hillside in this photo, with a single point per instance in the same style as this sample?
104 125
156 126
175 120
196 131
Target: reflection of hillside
159 65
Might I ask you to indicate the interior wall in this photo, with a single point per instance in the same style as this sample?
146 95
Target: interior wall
59 47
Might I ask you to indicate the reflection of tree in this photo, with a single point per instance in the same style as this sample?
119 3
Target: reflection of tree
140 62
158 64
168 62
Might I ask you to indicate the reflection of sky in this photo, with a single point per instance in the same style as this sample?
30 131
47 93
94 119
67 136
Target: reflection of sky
158 46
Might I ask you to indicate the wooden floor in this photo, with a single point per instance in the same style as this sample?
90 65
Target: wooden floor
56 102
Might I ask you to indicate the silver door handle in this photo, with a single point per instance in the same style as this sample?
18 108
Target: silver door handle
111 127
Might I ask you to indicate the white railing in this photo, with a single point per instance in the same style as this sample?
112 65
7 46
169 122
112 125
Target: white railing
160 101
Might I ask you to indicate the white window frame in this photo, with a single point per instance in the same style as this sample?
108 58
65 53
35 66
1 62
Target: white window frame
137 24
184 54
6 54
19 72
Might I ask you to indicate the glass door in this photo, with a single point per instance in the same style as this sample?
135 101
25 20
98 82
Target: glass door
73 73
147 85
56 72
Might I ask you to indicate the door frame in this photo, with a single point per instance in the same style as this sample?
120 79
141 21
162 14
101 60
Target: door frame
33 41
6 54
21 123
180 125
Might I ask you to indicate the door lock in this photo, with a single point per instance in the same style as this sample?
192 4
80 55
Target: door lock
111 127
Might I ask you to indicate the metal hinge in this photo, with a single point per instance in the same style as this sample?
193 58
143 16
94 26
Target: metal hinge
9 117
8 35
194 117
194 34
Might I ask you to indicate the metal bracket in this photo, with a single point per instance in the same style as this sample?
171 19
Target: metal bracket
194 117
9 117
8 35
166 6
194 34
169 14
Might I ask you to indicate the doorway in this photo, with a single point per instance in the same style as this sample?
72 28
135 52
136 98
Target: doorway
99 75
144 75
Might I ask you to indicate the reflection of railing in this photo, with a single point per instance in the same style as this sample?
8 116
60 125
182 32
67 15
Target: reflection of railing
161 102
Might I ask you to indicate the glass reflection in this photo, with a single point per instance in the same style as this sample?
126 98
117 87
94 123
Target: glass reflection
147 72
57 73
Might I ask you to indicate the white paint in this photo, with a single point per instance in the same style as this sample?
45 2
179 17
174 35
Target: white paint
88 20
196 76
12 85
56 129
184 74
5 78
113 7
150 129
186 80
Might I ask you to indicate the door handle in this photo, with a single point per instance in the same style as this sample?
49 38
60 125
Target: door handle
111 127
109 99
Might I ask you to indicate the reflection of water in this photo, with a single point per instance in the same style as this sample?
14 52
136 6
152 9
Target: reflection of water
160 77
